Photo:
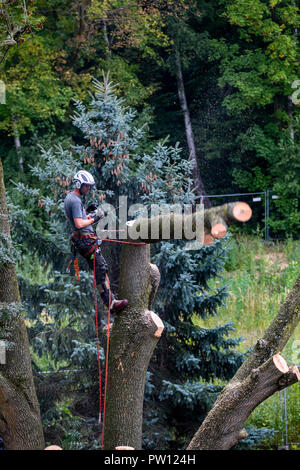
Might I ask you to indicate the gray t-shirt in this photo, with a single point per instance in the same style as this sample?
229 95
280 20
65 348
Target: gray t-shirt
73 209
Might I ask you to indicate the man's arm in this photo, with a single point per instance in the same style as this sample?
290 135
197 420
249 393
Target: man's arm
81 223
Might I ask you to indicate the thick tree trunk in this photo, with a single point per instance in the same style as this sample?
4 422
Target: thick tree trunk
261 375
133 338
20 422
198 183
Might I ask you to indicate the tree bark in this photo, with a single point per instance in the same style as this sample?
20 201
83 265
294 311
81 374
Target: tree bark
20 421
262 374
133 338
198 183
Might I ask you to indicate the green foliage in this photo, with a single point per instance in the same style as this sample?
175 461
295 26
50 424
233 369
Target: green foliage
17 20
239 60
62 328
33 92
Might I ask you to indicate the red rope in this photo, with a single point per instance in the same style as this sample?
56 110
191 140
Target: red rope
97 334
121 241
106 365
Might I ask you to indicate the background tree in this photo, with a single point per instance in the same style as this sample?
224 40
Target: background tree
20 421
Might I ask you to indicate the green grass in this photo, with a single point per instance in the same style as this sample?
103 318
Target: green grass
259 277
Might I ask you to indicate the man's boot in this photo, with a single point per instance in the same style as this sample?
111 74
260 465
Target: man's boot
115 305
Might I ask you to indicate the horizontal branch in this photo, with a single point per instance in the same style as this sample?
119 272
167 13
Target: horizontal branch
202 225
223 426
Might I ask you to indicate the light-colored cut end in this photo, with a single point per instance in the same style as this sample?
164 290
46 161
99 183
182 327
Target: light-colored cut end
242 212
124 448
53 448
158 323
218 231
296 372
208 239
280 363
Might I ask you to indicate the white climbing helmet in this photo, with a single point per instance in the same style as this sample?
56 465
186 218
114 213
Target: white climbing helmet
83 177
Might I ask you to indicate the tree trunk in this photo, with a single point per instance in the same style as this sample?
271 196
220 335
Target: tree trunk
198 183
136 330
106 39
262 374
133 338
20 421
17 143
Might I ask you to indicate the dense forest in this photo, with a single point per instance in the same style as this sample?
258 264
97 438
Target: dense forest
195 101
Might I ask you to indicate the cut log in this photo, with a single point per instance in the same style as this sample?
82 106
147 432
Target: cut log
208 238
172 226
242 212
219 230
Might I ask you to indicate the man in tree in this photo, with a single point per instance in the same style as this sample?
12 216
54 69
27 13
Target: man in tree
84 238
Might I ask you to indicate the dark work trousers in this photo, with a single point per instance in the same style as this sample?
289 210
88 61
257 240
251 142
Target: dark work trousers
101 271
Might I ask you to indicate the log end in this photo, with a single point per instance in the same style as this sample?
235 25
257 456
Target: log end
53 448
218 230
242 212
208 239
295 370
158 323
124 448
280 363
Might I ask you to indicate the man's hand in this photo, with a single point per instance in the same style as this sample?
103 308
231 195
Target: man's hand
97 214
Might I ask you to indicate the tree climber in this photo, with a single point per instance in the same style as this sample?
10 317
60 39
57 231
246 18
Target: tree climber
84 238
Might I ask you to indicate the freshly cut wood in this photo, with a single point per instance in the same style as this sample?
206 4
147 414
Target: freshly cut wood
53 448
295 371
219 230
217 219
158 323
124 448
208 238
280 363
242 212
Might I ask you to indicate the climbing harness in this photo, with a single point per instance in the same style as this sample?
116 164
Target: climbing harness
91 254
